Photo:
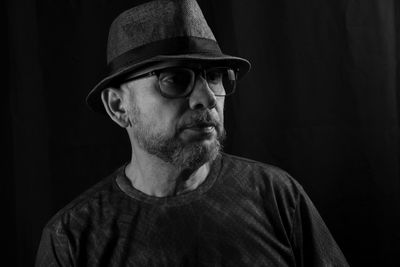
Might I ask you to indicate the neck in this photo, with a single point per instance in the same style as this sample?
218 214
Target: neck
152 176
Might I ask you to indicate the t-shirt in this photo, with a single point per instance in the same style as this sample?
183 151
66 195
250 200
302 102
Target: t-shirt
245 213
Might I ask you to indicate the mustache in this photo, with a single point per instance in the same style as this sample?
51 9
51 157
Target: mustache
199 119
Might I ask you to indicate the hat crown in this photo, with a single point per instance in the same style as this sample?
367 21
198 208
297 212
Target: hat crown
155 21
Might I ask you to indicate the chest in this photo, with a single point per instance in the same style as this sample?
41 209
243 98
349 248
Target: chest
216 232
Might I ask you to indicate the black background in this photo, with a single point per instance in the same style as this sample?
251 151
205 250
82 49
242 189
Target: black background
321 102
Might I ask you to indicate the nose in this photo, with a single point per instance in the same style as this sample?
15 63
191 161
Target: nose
202 96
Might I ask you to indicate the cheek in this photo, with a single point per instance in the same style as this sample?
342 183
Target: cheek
220 110
154 111
164 117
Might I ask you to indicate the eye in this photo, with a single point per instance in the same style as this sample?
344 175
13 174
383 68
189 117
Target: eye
175 77
175 81
214 76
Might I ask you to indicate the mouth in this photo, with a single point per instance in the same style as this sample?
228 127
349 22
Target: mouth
201 126
202 130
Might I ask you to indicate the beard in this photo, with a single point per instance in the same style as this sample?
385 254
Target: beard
172 149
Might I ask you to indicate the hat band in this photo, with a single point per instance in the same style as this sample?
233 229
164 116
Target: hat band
171 46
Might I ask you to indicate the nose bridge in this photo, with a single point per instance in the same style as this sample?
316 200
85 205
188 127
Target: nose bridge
202 96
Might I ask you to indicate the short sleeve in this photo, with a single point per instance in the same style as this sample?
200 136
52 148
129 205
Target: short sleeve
54 249
313 244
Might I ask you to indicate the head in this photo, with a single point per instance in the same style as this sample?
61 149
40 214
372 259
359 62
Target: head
185 131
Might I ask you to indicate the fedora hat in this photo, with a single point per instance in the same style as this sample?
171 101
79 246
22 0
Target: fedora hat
156 32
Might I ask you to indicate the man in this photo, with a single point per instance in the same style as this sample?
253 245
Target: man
180 201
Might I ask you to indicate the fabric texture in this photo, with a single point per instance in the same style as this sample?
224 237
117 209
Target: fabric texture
155 21
244 214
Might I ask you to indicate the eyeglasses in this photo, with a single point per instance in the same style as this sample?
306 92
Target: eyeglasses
179 82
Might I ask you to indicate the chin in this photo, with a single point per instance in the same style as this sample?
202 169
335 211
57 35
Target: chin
198 153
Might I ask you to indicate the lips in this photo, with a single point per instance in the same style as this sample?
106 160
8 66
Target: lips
204 130
200 126
199 131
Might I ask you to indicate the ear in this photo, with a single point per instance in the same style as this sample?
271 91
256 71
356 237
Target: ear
113 103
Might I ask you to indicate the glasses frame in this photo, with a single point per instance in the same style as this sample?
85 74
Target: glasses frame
196 69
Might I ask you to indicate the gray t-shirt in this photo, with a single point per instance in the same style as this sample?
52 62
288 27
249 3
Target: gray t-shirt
244 214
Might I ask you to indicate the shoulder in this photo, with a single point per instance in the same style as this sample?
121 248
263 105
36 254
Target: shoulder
269 187
279 192
262 175
92 204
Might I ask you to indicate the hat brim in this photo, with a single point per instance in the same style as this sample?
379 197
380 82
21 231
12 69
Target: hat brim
94 101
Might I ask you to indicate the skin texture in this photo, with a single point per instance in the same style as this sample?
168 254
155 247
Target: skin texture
173 140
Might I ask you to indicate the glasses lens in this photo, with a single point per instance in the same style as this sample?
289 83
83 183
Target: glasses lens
221 80
176 82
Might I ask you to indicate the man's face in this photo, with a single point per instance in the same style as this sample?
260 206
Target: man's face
185 132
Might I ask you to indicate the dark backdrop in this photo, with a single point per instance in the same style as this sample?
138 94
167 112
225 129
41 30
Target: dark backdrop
321 102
